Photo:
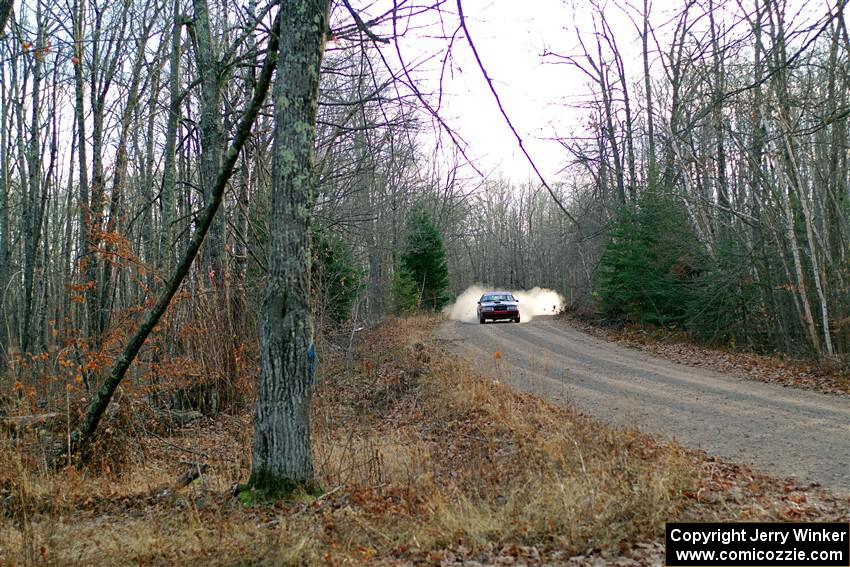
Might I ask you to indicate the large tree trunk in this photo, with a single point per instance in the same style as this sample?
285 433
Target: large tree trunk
282 457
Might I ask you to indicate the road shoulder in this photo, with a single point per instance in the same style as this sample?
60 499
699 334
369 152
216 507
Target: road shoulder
771 369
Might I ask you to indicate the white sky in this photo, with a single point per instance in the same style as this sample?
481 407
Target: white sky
539 96
511 49
536 94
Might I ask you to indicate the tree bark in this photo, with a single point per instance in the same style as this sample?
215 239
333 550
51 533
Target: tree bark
282 455
79 19
5 12
5 237
169 173
211 136
34 207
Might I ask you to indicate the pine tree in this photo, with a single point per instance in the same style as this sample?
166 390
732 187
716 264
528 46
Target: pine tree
647 271
335 276
404 290
423 271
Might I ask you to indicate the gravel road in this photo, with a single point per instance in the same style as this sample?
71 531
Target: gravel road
779 431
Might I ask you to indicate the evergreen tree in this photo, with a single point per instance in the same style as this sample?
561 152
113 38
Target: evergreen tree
648 269
404 290
422 276
336 276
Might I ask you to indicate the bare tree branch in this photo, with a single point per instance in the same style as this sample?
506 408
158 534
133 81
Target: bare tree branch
507 118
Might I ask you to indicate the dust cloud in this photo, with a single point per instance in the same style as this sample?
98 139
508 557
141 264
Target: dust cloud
532 303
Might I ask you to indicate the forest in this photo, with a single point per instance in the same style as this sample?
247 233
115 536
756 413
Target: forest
207 207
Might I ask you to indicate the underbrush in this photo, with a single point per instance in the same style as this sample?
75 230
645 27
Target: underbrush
422 461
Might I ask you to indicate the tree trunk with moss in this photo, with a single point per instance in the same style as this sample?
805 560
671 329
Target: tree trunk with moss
282 458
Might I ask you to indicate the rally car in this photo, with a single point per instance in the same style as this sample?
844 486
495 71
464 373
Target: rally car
495 305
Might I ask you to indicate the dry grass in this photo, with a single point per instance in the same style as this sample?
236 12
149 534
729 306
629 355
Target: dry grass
507 467
423 461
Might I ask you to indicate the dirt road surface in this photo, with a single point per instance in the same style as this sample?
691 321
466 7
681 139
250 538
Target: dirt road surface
779 431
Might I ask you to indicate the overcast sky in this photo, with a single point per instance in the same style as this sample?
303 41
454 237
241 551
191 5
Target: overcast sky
537 94
542 98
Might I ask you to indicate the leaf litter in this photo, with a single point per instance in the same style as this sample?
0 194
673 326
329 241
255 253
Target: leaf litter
423 461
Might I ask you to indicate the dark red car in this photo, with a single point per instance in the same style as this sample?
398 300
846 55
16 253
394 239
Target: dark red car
495 305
